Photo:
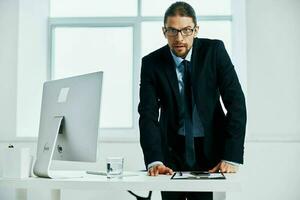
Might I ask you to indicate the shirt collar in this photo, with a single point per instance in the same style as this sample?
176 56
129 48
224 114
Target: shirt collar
178 60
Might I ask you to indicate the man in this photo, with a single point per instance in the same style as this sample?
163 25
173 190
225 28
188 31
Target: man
182 123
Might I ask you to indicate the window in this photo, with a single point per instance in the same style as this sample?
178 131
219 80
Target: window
92 8
80 50
92 35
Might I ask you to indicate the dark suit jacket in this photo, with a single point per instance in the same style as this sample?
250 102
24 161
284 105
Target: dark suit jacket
213 75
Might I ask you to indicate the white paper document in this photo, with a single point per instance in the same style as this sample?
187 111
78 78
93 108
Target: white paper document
197 175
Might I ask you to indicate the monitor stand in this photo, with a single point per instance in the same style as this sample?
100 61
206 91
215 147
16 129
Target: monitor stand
44 156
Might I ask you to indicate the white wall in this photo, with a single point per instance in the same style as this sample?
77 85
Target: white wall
273 145
273 69
8 65
32 63
23 64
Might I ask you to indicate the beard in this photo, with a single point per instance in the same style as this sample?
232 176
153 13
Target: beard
180 50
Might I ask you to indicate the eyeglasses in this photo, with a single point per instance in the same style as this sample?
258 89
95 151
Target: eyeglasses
172 32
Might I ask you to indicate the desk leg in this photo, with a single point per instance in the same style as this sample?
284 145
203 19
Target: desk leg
55 194
233 195
21 194
219 196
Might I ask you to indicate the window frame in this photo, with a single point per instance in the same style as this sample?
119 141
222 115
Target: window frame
88 23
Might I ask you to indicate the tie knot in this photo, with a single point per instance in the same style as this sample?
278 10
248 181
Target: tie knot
185 62
186 65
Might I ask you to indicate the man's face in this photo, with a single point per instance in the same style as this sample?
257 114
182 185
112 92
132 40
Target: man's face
180 44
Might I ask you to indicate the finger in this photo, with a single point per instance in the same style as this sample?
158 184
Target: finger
212 170
215 169
168 171
161 169
233 169
228 168
164 170
155 170
223 165
150 171
224 168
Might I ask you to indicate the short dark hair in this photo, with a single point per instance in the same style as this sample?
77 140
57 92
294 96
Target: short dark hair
182 9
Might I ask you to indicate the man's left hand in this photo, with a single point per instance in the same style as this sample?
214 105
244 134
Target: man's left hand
224 167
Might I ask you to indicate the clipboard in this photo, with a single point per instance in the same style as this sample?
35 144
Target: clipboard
183 175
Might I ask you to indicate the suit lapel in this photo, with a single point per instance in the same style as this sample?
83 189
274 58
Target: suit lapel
196 61
169 68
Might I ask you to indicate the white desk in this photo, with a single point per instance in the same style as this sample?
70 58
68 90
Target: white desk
141 182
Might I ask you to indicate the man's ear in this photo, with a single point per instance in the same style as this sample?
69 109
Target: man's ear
196 31
164 31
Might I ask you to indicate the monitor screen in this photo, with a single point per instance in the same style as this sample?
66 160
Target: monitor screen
69 121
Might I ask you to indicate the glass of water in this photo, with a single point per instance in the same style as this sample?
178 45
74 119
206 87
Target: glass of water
114 167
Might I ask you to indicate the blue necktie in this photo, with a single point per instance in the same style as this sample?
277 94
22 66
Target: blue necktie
188 108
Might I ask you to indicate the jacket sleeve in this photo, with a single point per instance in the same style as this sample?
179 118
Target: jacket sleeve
234 102
150 135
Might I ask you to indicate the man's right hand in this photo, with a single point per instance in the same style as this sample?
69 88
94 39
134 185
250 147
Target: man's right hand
159 169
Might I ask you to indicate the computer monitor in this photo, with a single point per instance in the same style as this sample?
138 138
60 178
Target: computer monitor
69 121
